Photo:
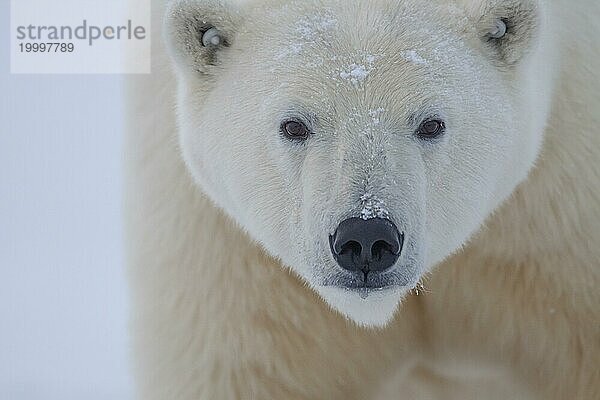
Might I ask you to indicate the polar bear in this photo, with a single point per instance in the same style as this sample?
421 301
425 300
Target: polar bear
394 199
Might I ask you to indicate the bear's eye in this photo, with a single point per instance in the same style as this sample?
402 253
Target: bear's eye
431 128
294 130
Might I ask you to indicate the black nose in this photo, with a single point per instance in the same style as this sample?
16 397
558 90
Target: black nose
366 245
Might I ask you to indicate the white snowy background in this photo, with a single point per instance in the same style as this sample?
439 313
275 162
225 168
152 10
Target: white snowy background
63 294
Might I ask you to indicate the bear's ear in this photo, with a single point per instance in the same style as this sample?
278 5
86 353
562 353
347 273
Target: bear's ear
508 29
198 31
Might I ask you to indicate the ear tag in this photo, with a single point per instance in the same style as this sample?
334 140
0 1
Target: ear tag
499 30
211 37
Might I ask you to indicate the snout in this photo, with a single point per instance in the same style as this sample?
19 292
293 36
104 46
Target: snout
366 246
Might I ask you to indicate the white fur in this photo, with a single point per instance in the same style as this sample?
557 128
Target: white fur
216 318
437 193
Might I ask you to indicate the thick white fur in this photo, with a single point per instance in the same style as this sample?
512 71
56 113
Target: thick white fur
515 314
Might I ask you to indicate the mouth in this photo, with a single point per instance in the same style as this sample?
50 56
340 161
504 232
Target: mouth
364 291
366 282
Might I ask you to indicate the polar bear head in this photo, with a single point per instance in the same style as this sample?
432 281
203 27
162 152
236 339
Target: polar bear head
360 143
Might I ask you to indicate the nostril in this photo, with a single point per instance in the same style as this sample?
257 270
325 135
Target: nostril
380 248
351 247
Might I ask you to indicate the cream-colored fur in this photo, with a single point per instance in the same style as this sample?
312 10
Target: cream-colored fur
514 315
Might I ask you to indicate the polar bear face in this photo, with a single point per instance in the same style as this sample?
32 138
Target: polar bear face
359 142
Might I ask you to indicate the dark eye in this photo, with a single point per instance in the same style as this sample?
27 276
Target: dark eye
431 128
295 130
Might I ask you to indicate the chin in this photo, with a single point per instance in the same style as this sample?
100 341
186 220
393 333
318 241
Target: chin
371 308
